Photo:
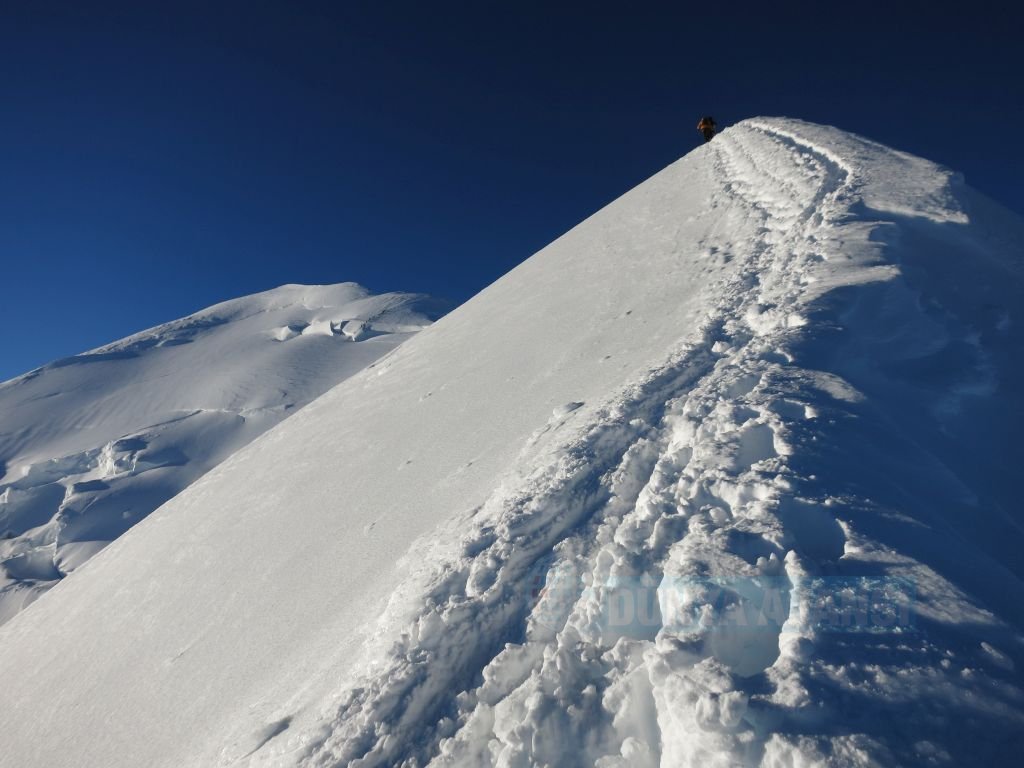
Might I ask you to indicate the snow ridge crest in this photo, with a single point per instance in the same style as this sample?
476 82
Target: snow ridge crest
716 478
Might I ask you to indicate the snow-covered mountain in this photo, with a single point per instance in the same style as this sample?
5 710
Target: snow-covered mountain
91 444
724 476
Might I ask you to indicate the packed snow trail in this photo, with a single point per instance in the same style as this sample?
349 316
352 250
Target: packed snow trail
91 444
721 477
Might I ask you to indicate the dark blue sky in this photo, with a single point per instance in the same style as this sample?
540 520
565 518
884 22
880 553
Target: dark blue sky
160 157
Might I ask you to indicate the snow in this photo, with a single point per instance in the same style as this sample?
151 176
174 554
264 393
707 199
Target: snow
723 476
92 444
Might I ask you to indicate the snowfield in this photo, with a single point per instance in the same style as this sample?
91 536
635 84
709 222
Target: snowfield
725 476
91 444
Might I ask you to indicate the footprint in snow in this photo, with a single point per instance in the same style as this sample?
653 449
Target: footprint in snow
564 410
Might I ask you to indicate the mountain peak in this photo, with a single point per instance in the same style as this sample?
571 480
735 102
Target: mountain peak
95 442
719 476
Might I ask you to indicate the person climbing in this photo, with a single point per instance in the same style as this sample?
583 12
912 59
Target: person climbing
707 127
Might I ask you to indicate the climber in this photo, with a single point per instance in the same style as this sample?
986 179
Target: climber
707 127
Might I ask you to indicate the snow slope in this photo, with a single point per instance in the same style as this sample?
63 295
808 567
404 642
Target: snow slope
724 476
91 444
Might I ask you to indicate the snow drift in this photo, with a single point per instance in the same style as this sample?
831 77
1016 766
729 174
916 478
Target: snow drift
724 476
91 444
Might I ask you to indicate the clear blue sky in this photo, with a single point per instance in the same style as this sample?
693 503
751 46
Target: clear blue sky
160 157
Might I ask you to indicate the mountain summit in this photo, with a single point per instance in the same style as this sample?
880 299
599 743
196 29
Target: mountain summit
91 444
723 476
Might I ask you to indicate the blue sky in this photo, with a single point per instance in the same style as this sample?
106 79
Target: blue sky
158 158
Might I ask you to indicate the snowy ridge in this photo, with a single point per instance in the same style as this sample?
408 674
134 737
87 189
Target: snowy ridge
685 479
720 477
91 444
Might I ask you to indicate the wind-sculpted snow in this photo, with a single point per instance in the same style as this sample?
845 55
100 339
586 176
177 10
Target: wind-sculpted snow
725 476
91 444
